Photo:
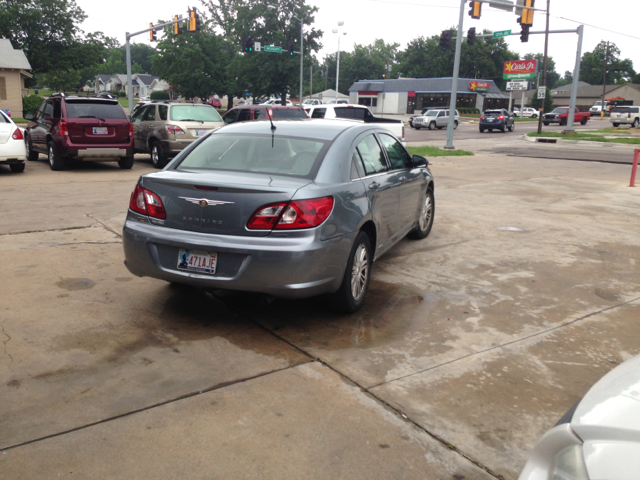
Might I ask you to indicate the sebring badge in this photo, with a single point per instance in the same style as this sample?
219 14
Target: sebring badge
204 202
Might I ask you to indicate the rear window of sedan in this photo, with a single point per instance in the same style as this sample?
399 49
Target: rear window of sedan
625 110
297 157
197 113
94 109
279 113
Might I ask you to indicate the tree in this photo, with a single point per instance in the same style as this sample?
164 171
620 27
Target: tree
566 80
548 101
592 66
553 77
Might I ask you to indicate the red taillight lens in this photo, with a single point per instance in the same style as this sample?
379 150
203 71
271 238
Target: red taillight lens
295 215
176 130
266 217
270 113
501 117
481 118
147 203
130 130
64 128
17 135
628 115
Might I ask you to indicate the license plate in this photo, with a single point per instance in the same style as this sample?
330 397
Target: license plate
196 261
200 133
100 130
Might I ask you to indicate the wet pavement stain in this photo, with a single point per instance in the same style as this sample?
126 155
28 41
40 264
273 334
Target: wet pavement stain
73 284
14 383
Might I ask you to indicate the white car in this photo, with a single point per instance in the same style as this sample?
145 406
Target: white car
625 115
527 112
599 437
596 109
312 101
437 118
13 151
277 101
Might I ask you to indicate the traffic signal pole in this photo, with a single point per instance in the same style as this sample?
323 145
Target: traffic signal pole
544 68
454 81
574 89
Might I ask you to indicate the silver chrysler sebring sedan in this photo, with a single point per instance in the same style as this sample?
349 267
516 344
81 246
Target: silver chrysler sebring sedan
290 209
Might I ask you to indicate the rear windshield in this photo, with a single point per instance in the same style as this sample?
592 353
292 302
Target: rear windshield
94 109
289 113
198 113
560 110
351 112
297 157
625 110
493 112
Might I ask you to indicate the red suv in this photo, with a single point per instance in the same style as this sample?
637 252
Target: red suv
259 112
80 128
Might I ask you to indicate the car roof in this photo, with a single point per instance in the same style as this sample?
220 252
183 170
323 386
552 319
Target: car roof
321 129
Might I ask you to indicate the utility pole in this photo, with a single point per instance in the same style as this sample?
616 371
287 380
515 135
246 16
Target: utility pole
604 82
326 72
576 75
310 83
544 67
454 81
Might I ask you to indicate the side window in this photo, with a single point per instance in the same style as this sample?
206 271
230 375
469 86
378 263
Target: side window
40 111
231 116
162 111
398 156
259 113
359 113
357 170
48 109
245 114
319 113
57 110
372 157
137 117
149 114
441 113
344 112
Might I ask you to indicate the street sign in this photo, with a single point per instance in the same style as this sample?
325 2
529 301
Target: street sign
269 48
476 86
542 93
517 85
520 69
503 33
257 46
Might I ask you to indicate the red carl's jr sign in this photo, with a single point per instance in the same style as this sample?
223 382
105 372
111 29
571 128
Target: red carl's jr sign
520 69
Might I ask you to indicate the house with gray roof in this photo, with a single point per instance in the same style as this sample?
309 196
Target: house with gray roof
587 95
13 74
411 95
102 83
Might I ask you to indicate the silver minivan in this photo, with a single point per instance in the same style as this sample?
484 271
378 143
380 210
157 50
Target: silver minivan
435 119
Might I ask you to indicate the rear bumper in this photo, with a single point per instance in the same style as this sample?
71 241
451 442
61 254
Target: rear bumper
173 147
284 267
492 124
94 151
626 121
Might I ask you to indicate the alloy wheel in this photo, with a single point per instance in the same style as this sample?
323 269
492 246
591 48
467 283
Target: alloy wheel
155 156
360 272
51 156
427 212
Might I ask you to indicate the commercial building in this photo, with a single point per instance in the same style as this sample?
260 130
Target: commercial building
411 95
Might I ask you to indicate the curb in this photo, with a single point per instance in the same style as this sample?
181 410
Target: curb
579 142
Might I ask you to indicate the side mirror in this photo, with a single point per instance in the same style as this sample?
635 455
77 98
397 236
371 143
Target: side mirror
419 161
29 117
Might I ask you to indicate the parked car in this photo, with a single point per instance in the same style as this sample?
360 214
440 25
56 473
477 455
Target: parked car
312 101
288 213
165 129
355 112
596 109
12 148
107 95
599 437
7 112
341 101
527 112
277 101
214 102
625 115
68 127
248 113
437 118
560 115
499 119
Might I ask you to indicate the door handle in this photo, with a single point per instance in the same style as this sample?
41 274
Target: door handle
374 186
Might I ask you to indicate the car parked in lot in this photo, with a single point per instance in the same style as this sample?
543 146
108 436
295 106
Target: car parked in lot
312 101
625 116
248 113
435 118
214 102
294 212
560 115
12 148
499 119
68 127
526 112
277 101
165 129
599 437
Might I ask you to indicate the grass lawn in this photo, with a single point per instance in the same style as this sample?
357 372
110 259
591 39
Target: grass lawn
586 137
19 120
428 151
518 119
619 131
43 92
124 102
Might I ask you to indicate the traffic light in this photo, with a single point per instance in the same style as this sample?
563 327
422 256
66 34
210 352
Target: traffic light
445 39
247 44
471 36
290 47
177 27
524 34
152 34
527 15
475 8
194 24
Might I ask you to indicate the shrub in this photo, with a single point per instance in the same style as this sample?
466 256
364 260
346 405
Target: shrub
30 104
119 93
159 95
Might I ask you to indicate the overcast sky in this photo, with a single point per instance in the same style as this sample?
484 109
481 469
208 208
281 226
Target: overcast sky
403 20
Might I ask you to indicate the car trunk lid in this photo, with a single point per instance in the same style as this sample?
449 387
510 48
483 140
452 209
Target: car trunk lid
97 122
6 129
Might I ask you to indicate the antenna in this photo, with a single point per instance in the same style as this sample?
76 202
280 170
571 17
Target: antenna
273 127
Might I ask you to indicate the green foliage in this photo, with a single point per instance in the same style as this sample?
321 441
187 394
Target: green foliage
618 71
548 101
553 77
120 93
159 95
31 103
566 80
429 151
62 80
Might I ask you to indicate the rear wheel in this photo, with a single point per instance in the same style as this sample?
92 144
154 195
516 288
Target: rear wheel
353 290
455 125
616 125
17 167
481 130
583 121
425 221
32 155
503 129
432 126
635 123
56 162
125 163
158 157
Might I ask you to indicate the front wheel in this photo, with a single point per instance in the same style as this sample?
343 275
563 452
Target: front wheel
563 122
32 155
417 128
635 123
546 123
534 116
353 290
432 126
425 221
55 161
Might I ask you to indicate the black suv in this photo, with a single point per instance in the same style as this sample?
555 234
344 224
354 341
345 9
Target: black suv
79 128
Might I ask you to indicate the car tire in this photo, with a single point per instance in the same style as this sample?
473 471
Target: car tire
490 130
534 115
546 123
481 130
563 122
125 163
511 128
32 155
583 121
56 162
432 126
158 157
17 167
417 128
425 220
616 125
635 123
353 290
455 125
503 129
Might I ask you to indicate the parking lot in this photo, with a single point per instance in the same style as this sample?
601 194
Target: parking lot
471 344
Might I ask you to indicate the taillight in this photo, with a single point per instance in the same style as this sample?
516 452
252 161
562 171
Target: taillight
63 127
269 113
17 135
501 117
482 118
146 202
175 129
628 115
130 130
293 215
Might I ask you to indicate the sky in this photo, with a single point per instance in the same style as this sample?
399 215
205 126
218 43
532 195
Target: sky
400 21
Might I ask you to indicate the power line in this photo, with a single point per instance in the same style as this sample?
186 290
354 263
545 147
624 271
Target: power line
598 28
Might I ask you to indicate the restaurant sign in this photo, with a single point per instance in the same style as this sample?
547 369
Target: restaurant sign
476 86
520 69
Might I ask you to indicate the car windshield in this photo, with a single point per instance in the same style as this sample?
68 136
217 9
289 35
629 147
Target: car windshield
198 113
256 154
560 110
432 113
597 104
94 109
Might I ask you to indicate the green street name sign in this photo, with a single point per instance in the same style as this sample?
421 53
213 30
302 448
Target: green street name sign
503 33
273 49
515 76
